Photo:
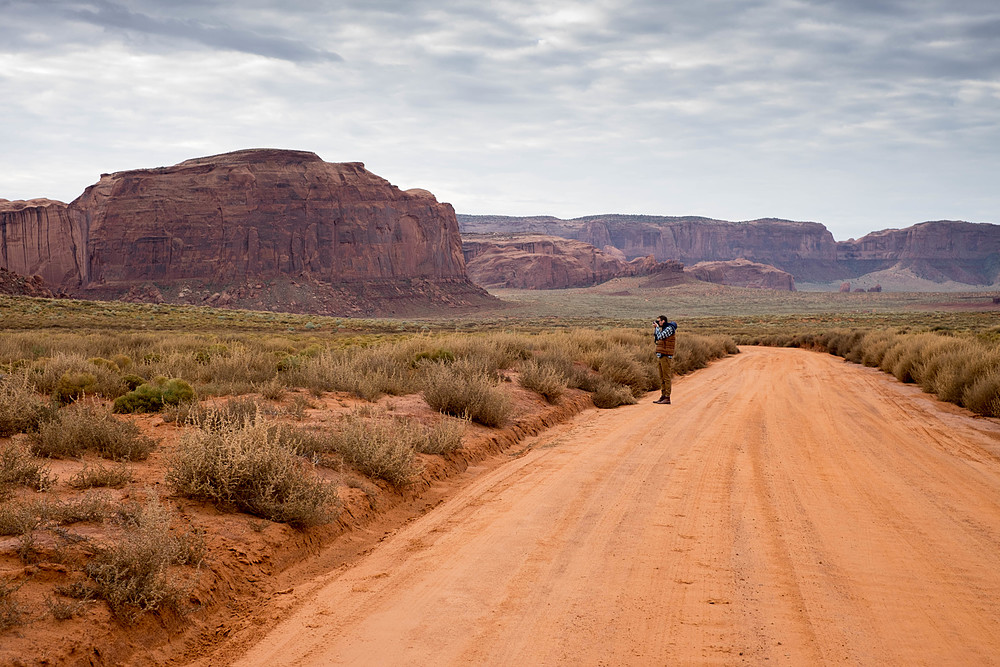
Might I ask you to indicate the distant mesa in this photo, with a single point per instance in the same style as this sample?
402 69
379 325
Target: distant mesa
261 228
940 251
743 273
535 261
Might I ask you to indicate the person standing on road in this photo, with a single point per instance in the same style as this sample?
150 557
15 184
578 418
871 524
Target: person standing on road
665 335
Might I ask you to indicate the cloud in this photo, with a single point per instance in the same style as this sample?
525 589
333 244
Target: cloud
740 108
115 18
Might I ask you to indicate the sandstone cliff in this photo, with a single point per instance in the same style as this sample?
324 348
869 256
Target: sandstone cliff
229 222
535 261
943 250
743 273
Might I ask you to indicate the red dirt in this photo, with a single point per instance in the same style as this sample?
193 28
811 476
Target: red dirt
789 507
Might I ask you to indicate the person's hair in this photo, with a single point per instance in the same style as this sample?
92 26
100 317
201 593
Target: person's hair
662 317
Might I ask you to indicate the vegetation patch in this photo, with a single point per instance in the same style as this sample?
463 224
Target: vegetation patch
79 429
251 468
153 396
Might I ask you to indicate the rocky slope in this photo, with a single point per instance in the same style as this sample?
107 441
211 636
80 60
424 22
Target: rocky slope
743 273
15 285
941 250
251 225
535 261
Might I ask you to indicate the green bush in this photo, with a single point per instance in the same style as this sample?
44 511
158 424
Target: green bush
251 468
153 396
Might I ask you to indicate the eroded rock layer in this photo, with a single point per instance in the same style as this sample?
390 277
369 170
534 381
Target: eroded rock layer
743 273
243 218
940 250
536 261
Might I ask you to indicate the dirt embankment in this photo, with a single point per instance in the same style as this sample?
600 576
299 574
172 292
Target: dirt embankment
789 507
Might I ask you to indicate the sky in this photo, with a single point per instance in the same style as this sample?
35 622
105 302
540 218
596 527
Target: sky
859 114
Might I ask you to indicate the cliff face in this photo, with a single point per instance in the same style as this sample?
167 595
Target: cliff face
239 218
545 262
40 237
944 250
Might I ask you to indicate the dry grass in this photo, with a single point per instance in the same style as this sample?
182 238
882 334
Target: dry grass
19 468
131 573
20 409
462 390
379 446
251 468
98 476
546 380
79 429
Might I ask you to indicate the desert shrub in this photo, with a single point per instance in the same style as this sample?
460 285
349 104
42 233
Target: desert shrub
99 476
94 507
63 610
443 437
80 429
982 396
273 390
251 468
366 373
73 386
68 376
543 379
19 468
380 447
459 389
16 519
11 612
610 395
101 362
234 412
619 367
434 354
153 396
131 574
20 409
133 381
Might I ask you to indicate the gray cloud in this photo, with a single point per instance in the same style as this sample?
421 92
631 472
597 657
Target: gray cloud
849 111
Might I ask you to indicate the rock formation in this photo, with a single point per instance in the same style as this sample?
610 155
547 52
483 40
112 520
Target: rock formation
939 251
964 252
743 273
535 261
16 285
228 223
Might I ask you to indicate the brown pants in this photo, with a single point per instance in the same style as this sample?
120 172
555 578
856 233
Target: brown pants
665 364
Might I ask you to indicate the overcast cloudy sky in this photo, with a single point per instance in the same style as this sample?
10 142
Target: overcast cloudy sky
860 114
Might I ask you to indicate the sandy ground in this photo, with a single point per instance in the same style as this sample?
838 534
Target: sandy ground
788 508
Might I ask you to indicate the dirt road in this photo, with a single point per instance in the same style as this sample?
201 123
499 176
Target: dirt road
789 508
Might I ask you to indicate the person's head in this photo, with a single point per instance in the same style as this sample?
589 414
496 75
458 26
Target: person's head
661 320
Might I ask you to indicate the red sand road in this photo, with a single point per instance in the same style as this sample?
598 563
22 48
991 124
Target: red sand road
789 507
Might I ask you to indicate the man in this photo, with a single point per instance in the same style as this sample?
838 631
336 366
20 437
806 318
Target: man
665 335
